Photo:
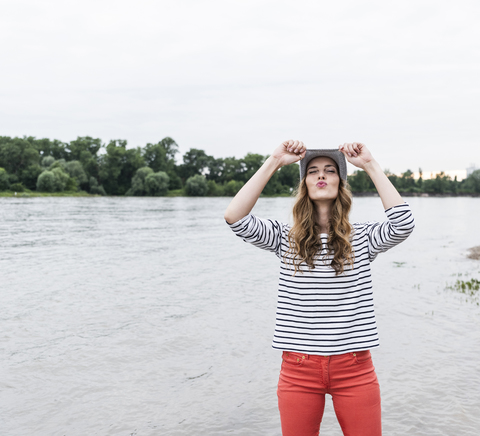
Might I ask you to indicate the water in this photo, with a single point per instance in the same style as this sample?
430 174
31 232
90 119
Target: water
136 316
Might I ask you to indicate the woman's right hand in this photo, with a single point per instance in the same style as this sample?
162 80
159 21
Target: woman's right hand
289 152
286 153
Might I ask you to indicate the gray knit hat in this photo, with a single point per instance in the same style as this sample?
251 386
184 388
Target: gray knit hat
332 153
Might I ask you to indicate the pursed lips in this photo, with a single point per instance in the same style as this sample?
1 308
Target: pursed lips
321 184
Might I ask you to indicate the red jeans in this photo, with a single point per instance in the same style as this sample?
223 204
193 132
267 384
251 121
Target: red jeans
349 378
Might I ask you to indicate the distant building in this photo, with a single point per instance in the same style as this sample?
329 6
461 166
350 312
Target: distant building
471 169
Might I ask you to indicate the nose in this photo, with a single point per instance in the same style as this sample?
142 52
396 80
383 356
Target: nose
321 175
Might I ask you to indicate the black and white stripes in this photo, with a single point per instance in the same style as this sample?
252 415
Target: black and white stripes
317 311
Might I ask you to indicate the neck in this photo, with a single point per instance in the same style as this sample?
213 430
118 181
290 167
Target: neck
323 210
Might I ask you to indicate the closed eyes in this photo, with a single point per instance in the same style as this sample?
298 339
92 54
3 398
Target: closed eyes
315 171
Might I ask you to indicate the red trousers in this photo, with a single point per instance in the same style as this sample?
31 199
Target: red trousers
349 378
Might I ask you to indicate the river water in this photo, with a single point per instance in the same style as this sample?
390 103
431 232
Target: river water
147 316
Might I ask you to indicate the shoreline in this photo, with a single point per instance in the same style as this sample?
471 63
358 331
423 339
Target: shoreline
7 194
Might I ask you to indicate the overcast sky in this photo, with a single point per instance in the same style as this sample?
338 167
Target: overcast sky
232 77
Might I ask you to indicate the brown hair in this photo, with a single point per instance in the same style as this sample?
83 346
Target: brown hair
304 237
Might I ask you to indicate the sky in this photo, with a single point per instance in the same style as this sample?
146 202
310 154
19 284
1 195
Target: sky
232 77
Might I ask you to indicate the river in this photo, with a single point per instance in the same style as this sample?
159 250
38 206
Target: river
147 316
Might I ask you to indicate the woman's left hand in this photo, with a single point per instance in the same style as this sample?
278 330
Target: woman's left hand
357 154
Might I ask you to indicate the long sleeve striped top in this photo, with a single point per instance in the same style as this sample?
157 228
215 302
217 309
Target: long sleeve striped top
317 311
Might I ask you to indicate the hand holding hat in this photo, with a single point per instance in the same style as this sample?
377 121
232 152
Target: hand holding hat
357 154
289 152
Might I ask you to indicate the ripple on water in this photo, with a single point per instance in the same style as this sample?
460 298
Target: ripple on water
147 316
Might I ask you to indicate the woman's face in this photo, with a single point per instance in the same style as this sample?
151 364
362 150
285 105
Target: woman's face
322 179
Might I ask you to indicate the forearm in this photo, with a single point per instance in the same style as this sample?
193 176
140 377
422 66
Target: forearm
243 202
388 193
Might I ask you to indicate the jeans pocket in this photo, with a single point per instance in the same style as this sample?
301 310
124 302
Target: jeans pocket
294 359
362 356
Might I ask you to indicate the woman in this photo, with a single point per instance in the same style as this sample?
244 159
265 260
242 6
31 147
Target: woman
325 323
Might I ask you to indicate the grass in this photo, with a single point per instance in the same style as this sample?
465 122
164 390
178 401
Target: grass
176 193
45 194
469 288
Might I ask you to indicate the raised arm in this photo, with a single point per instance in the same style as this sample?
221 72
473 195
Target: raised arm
359 155
286 153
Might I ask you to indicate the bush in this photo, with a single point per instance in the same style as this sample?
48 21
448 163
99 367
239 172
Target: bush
13 178
138 181
472 183
30 175
61 179
156 184
55 180
95 188
60 163
232 187
17 187
75 170
196 186
215 190
72 185
47 161
46 182
4 182
175 181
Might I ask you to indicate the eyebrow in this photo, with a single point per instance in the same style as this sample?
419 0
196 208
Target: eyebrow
326 166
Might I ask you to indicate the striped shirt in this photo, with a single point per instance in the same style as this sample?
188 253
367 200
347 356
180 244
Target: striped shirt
317 311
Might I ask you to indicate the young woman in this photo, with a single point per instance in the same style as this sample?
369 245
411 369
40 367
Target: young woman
325 322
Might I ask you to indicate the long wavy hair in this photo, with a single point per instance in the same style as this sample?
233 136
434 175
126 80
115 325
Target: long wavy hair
304 237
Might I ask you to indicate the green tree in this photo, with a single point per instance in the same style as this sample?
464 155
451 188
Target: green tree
441 183
250 165
420 180
232 187
47 161
59 163
138 181
111 166
46 147
17 187
407 181
30 175
95 188
156 184
233 169
61 179
155 157
195 162
55 180
46 182
274 187
83 144
75 170
472 183
16 154
196 186
289 176
360 181
118 166
4 182
161 156
214 189
216 168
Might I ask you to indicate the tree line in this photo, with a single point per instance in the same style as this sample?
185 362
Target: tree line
441 184
87 164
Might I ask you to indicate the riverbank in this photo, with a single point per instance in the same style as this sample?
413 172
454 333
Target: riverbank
46 194
181 193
